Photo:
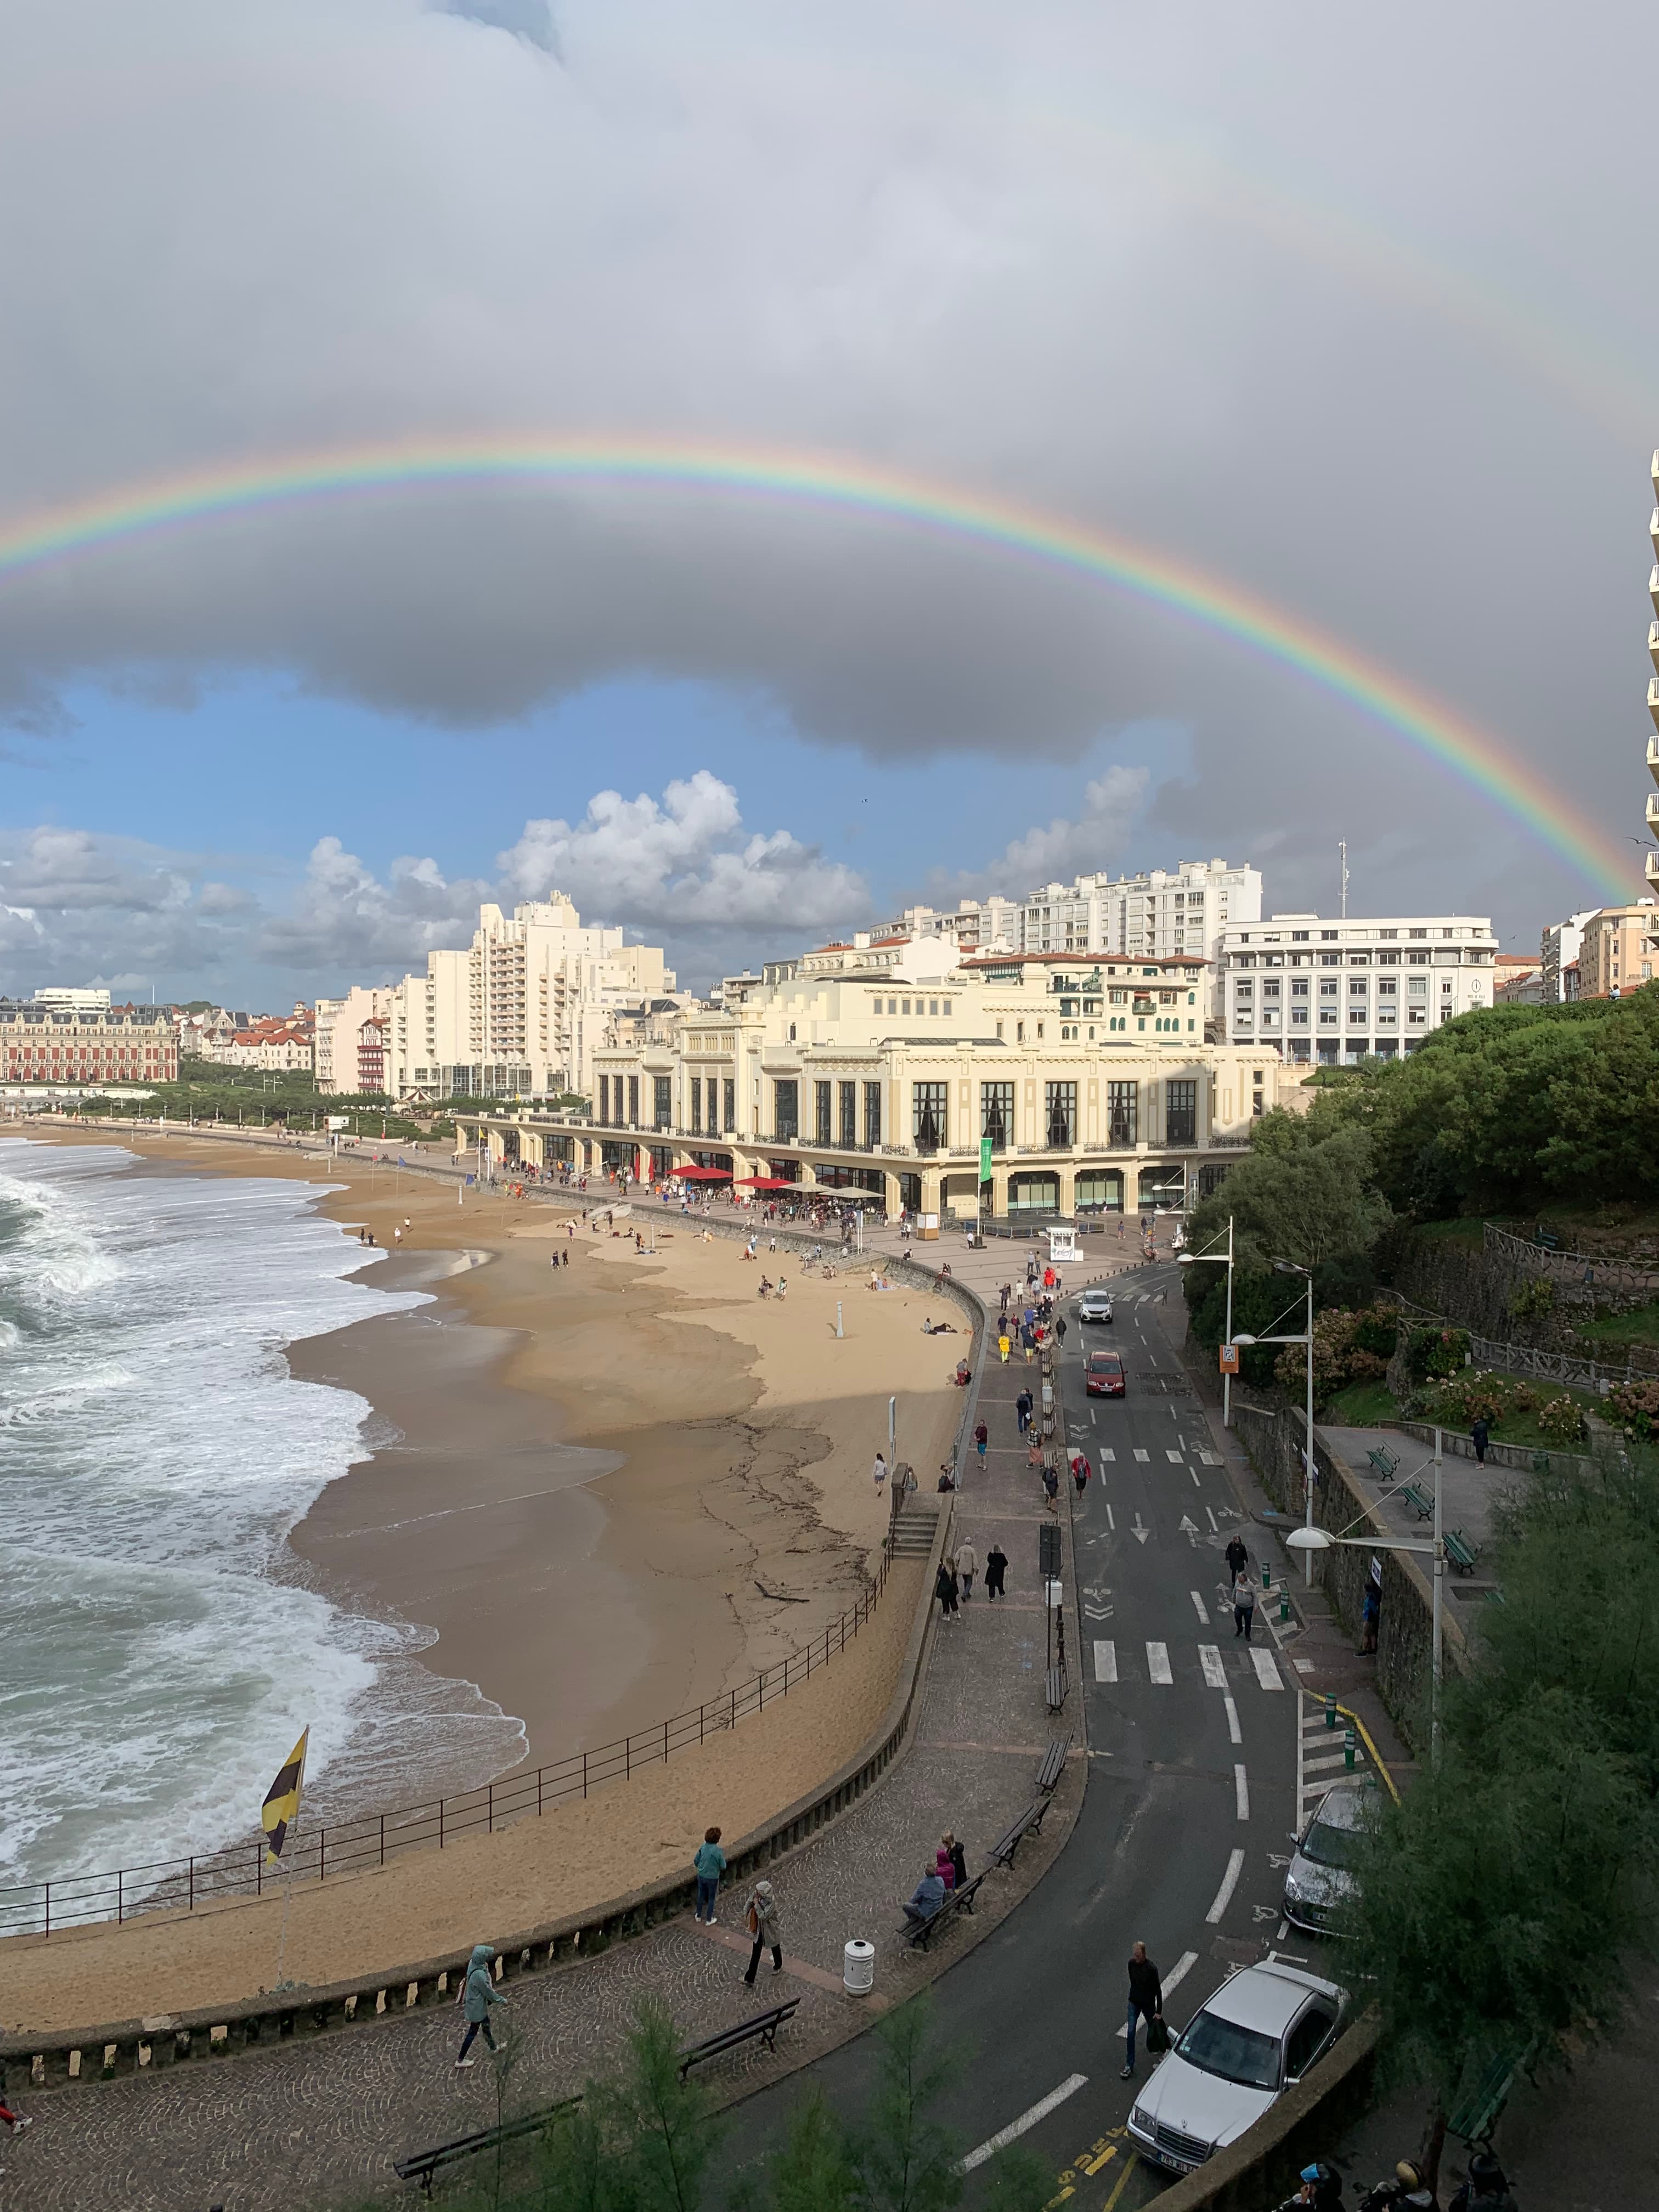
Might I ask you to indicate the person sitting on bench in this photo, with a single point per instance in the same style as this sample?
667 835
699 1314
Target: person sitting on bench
925 1899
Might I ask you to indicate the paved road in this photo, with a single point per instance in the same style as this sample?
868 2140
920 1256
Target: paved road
1043 2000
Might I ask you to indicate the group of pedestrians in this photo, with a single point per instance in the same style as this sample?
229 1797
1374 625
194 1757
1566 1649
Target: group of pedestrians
953 1584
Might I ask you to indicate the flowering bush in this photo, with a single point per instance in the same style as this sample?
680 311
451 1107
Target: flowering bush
1561 1421
1348 1347
1470 1397
1637 1405
1532 1300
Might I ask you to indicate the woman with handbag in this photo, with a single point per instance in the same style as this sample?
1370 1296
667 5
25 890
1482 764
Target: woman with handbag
760 1918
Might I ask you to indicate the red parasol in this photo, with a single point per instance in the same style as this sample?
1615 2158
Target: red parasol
703 1174
768 1182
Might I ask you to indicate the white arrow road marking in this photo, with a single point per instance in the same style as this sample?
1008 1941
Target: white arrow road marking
1233 1733
1143 1456
1098 1611
1215 1675
1015 2128
1157 1663
1198 1607
1138 1532
1242 1792
1224 1896
1105 1662
1266 1673
1189 1530
1177 1973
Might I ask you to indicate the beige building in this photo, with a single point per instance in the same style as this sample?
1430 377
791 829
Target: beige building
1617 952
1653 681
901 1069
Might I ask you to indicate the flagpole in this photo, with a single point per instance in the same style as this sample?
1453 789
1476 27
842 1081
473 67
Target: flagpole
287 1899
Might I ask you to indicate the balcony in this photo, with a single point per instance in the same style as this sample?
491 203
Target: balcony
1653 587
1653 699
1653 871
1653 644
1653 759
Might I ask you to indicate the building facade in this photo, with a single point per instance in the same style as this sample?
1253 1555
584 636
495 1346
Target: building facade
1337 991
1652 863
900 1071
1616 953
1559 950
47 1041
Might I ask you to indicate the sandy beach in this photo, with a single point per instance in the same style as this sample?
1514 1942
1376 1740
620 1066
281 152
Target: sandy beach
614 1490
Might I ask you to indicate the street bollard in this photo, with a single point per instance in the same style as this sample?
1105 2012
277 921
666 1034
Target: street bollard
1330 1709
1267 1575
1284 1602
1349 1747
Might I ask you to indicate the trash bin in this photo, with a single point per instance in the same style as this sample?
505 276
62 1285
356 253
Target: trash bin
858 1968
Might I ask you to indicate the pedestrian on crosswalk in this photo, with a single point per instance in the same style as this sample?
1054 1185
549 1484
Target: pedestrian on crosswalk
1243 1606
1146 2001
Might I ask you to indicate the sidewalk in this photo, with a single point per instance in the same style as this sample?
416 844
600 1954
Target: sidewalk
315 2120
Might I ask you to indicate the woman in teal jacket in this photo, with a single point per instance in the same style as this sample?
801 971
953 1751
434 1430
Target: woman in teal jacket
478 1993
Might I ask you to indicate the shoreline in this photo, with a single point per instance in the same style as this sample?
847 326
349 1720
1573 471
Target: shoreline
616 1490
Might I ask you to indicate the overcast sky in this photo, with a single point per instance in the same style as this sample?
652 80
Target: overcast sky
1353 309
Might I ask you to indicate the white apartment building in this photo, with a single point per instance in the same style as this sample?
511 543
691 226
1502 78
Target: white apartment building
520 1012
1335 991
1653 683
989 925
1560 947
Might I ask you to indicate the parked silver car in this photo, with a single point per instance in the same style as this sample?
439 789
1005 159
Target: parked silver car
1319 1876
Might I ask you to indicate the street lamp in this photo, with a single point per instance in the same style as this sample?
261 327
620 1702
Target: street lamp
1311 1540
1220 1260
1306 1339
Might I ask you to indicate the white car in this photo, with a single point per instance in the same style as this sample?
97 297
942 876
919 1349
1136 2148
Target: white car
1319 1879
1094 1305
1256 2037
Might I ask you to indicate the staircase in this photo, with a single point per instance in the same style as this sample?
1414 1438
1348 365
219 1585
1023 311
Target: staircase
914 1526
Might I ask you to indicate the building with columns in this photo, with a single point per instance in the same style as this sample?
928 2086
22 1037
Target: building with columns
902 1069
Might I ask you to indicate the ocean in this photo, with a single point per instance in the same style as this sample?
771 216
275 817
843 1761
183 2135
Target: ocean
160 1649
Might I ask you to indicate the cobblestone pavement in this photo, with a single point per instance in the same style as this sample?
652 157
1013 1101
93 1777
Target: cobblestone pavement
318 2120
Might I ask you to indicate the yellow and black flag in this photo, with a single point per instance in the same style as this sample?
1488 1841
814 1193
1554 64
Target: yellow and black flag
281 1807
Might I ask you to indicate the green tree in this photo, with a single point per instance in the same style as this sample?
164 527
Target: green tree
907 2161
1303 1192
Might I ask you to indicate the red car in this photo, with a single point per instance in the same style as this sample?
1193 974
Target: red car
1103 1374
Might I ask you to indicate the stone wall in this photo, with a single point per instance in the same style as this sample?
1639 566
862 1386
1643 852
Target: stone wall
1406 1630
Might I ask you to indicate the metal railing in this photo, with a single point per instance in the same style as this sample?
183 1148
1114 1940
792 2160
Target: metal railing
352 1846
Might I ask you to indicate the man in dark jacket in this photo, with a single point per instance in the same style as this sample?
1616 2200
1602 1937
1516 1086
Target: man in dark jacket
1146 2001
1486 2189
1022 1407
1237 1558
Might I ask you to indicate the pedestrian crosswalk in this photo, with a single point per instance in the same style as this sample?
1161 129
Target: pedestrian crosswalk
1163 1665
1323 1757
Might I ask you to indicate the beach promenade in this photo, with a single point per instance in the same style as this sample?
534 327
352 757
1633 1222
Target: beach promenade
315 2120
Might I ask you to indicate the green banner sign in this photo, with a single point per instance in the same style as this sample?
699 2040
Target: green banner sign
985 1159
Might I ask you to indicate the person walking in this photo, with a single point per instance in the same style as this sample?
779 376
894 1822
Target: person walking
1146 2001
1051 1486
477 1994
967 1566
1243 1606
1002 1343
760 1917
1060 1331
996 1566
15 2121
981 1439
1237 1558
878 1475
1370 1612
1080 1471
945 1589
710 1865
1023 1405
1480 1436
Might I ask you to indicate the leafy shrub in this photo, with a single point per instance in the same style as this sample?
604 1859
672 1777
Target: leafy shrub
1376 1333
1561 1421
1432 1353
1532 1300
1523 1397
1637 1406
1469 1397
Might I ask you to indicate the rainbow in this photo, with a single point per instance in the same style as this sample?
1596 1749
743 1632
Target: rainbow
1453 742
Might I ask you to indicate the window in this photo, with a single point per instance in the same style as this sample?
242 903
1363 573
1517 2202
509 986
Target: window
1181 1113
1299 989
905 1007
823 1105
1122 1112
945 1007
1417 932
730 1113
785 1109
849 1114
1328 936
932 1005
604 1099
1300 936
996 1114
662 1101
930 1115
697 1105
1060 1116
1307 2040
873 1115
633 1101
1019 1032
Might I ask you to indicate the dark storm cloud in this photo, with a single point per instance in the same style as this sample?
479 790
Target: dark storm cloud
1344 309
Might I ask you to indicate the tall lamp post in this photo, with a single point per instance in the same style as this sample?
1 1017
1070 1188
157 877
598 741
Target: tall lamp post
1220 1260
1306 1339
1311 1540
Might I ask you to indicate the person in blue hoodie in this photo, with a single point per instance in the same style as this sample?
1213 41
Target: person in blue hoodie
710 1865
478 1992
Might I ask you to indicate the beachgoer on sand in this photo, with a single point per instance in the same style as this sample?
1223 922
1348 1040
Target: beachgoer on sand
878 1473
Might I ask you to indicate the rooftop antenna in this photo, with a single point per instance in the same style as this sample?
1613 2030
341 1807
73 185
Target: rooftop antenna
1342 848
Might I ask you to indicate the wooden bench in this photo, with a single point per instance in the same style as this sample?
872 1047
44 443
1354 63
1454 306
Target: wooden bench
1028 1824
762 2029
1464 1555
421 2164
1055 1686
1420 1501
919 1934
1053 1765
1386 1463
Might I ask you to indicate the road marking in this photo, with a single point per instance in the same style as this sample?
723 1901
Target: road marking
1197 1485
1140 1532
1233 1731
1105 1662
1157 1663
1224 1896
1107 1456
1143 1456
1266 1673
1198 1607
1015 2128
1215 1675
1242 1792
1174 1455
1110 1522
1177 1974
1212 1459
1110 2205
1321 1765
1214 1530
